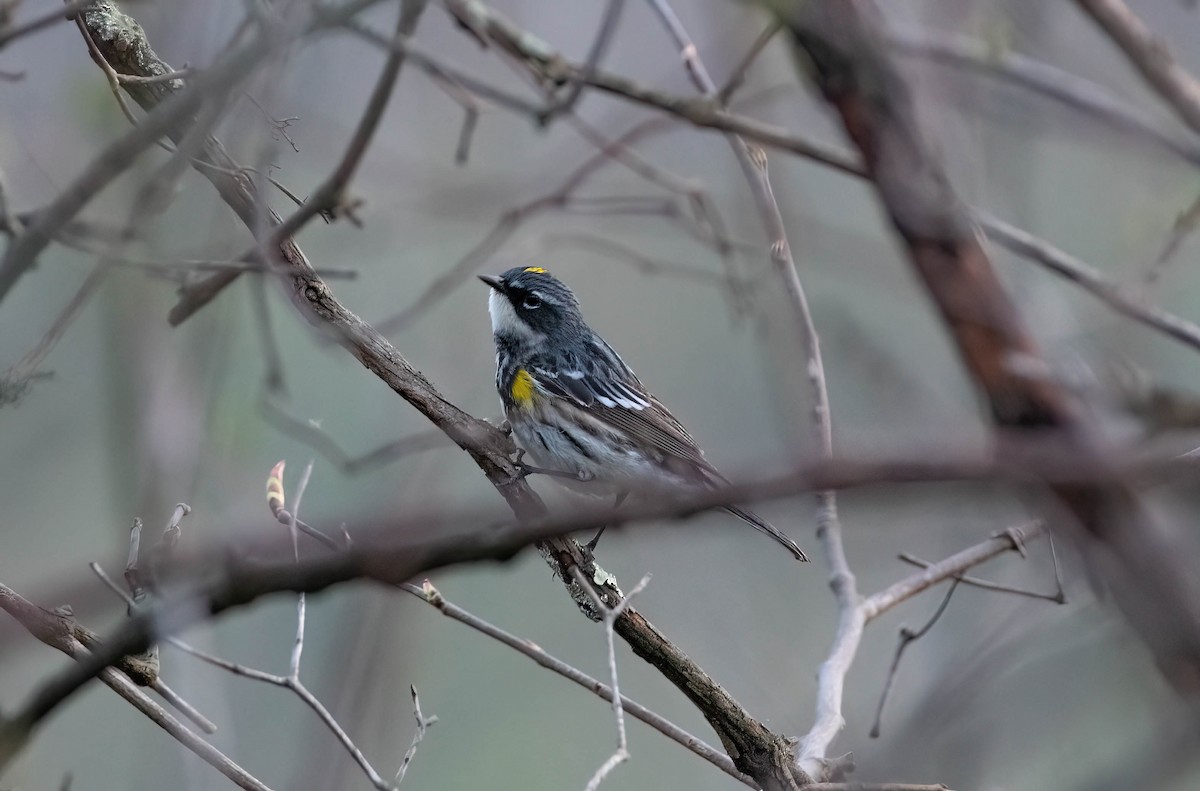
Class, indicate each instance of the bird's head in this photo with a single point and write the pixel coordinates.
(528, 303)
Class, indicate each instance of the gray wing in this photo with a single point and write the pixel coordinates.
(608, 389)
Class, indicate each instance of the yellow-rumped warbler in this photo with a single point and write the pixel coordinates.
(577, 409)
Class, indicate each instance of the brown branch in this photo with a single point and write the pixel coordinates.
(330, 195)
(756, 750)
(433, 596)
(544, 60)
(1150, 56)
(123, 45)
(172, 118)
(846, 59)
(753, 163)
(65, 634)
(228, 577)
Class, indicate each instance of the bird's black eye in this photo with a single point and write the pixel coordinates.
(532, 302)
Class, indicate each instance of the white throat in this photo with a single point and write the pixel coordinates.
(505, 320)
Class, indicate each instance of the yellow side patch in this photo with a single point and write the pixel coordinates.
(537, 270)
(523, 388)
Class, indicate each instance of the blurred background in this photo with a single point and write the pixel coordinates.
(134, 416)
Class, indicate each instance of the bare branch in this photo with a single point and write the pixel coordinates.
(170, 119)
(1091, 280)
(608, 26)
(1009, 541)
(15, 382)
(610, 616)
(850, 67)
(433, 596)
(1058, 597)
(539, 55)
(1044, 79)
(1149, 55)
(60, 632)
(908, 636)
(330, 196)
(275, 501)
(13, 32)
(423, 724)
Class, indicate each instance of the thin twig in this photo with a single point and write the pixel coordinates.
(1058, 597)
(877, 604)
(753, 162)
(608, 26)
(14, 382)
(423, 724)
(331, 194)
(433, 596)
(298, 648)
(1183, 226)
(610, 616)
(738, 76)
(1149, 54)
(1090, 280)
(1093, 99)
(43, 21)
(310, 433)
(182, 706)
(330, 722)
(56, 631)
(114, 81)
(908, 636)
(275, 501)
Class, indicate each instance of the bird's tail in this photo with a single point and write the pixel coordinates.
(752, 519)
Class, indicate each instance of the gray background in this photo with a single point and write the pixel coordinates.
(1004, 694)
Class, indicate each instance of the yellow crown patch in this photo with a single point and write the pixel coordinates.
(537, 270)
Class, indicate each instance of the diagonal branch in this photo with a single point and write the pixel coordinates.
(170, 118)
(1085, 96)
(756, 750)
(63, 633)
(846, 59)
(232, 576)
(330, 196)
(753, 163)
(1150, 56)
(540, 57)
(434, 597)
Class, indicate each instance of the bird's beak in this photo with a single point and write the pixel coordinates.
(494, 282)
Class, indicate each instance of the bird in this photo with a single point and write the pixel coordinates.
(579, 412)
